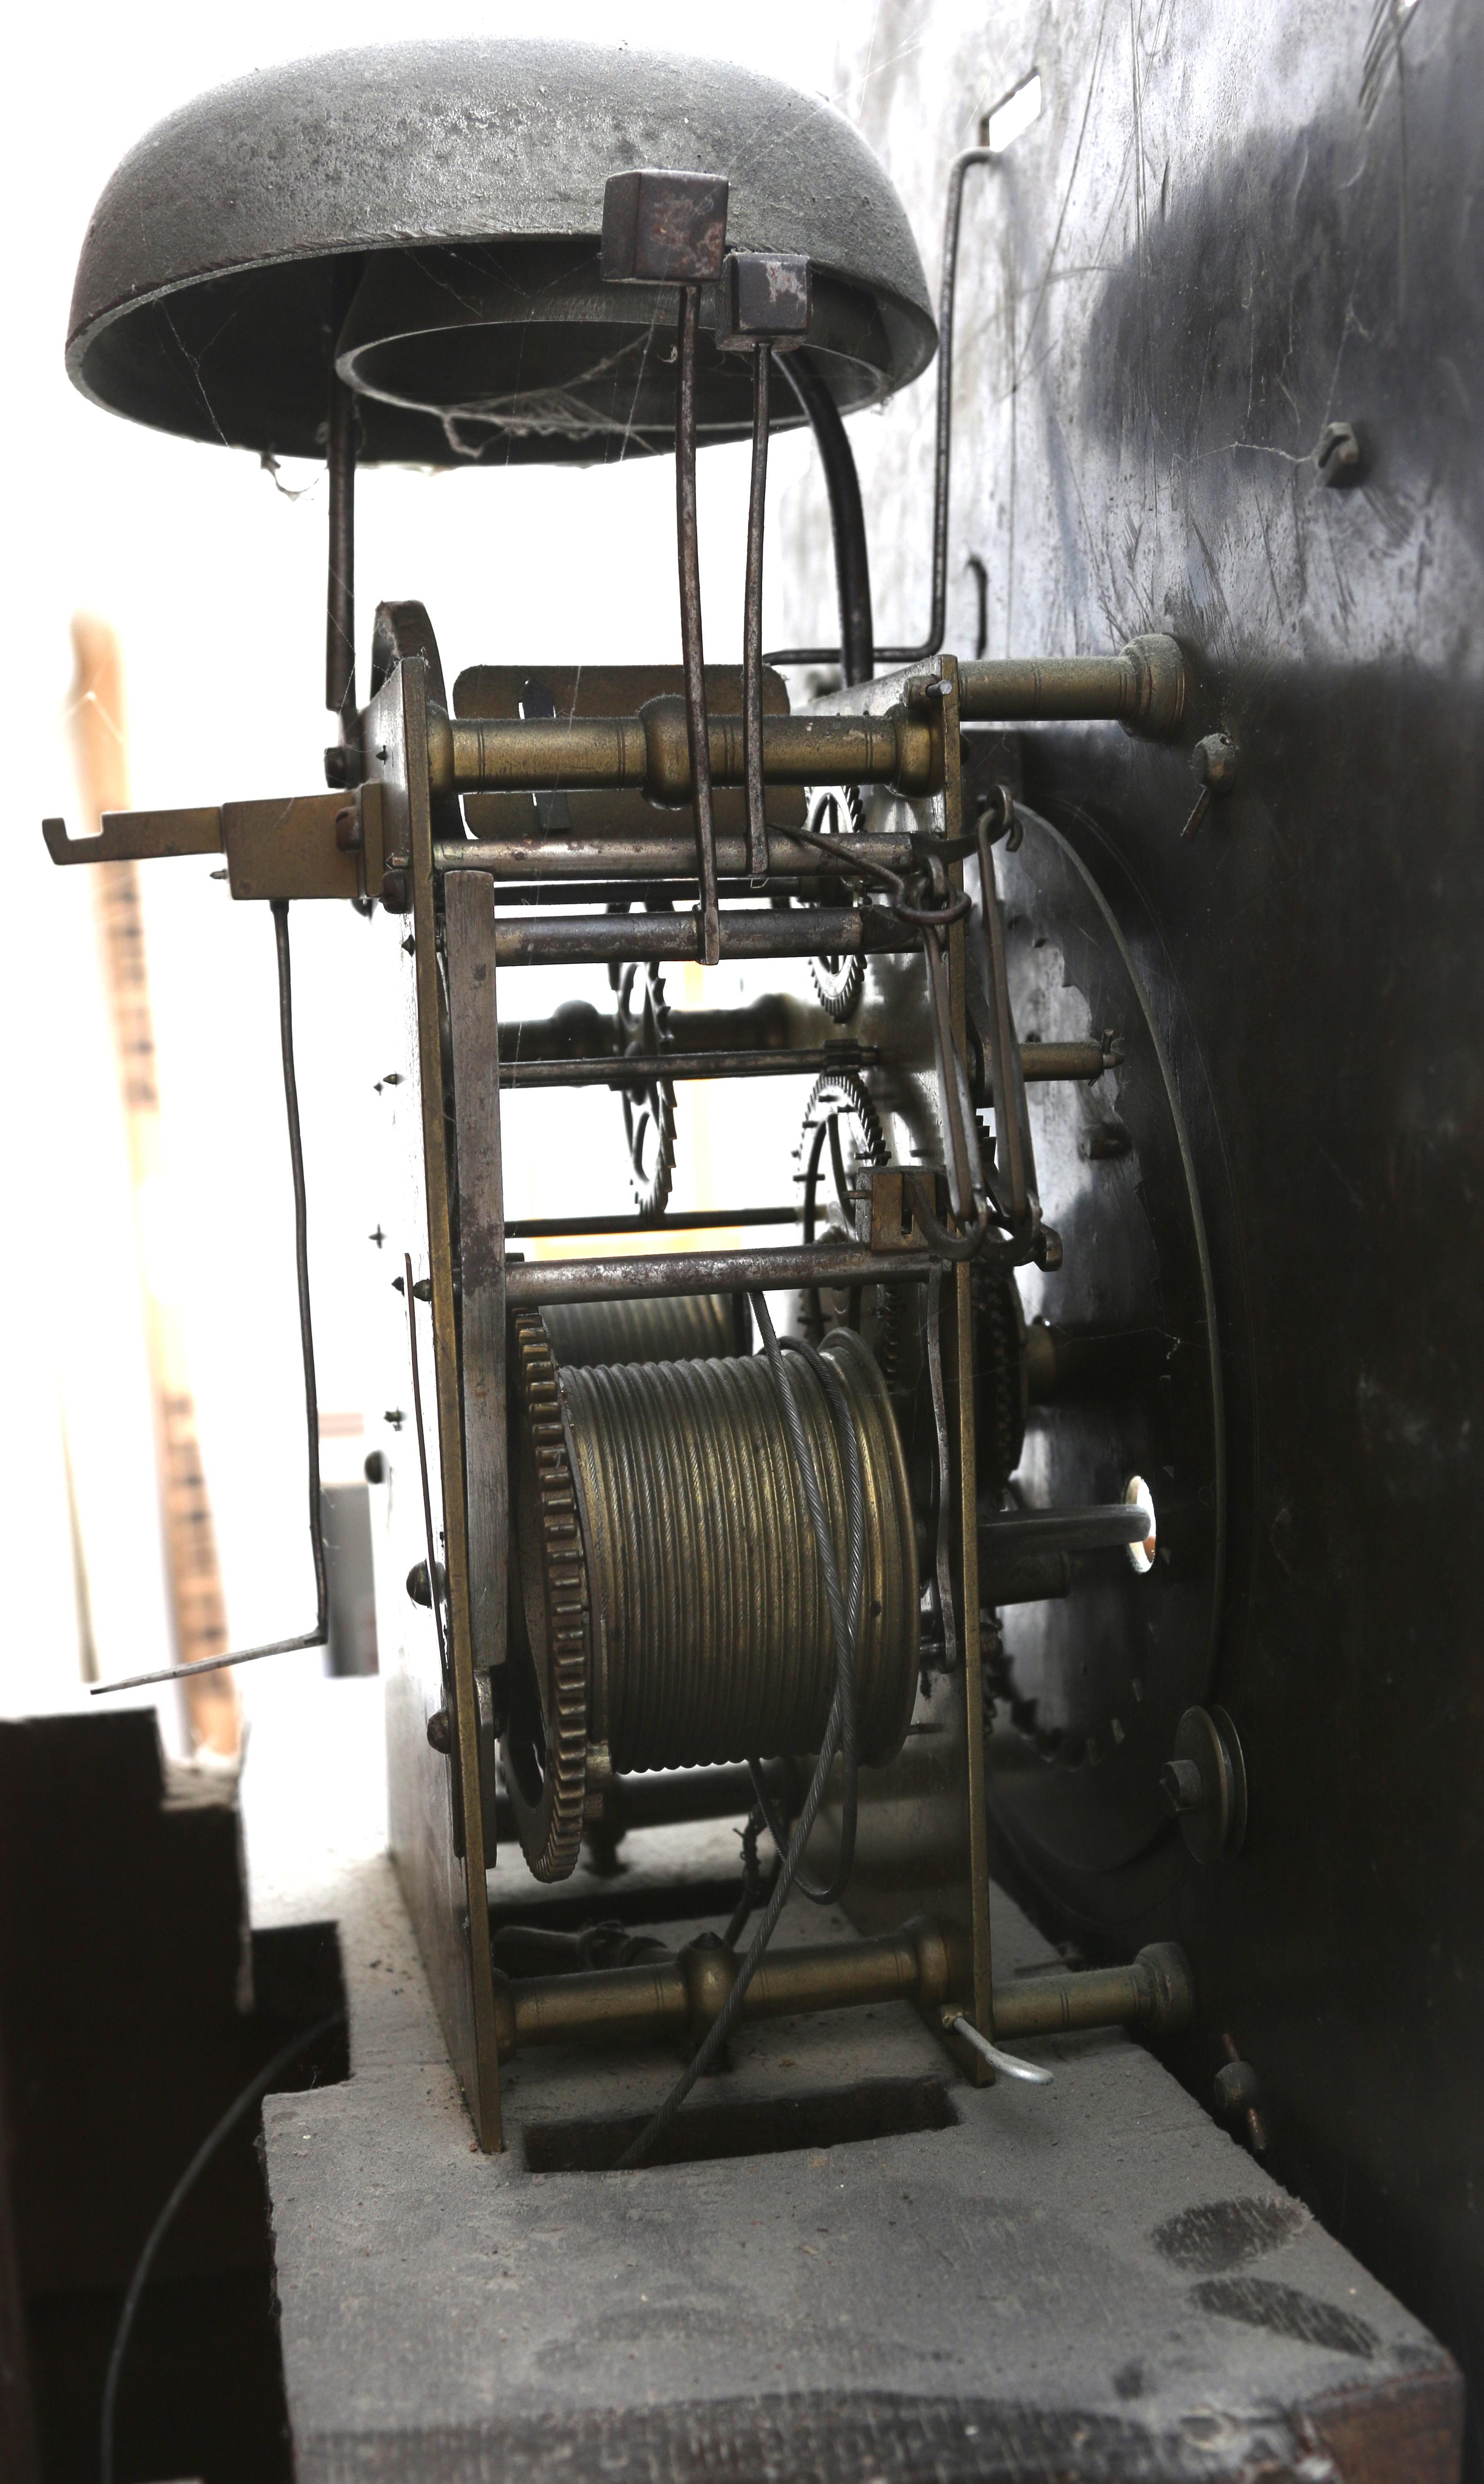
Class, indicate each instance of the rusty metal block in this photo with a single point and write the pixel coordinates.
(766, 300)
(664, 227)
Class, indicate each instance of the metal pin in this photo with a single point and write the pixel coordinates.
(752, 621)
(1213, 763)
(1203, 805)
(692, 649)
(1009, 2064)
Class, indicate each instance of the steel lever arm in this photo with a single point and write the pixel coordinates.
(137, 836)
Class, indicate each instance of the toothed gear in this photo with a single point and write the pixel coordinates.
(652, 1107)
(1001, 1398)
(836, 1094)
(842, 1091)
(545, 1749)
(838, 981)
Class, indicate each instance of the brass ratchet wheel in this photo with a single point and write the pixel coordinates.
(545, 1749)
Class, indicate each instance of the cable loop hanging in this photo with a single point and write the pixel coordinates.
(718, 2035)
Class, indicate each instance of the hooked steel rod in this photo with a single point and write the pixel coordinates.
(709, 1272)
(641, 1068)
(620, 894)
(538, 1052)
(697, 734)
(343, 767)
(754, 932)
(341, 587)
(1098, 1527)
(943, 447)
(752, 619)
(667, 857)
(695, 1220)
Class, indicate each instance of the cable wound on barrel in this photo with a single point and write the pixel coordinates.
(718, 1637)
(652, 1328)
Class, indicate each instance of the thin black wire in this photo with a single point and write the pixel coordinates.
(719, 2032)
(280, 911)
(319, 1634)
(856, 651)
(255, 2089)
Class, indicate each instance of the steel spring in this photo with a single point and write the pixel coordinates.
(712, 1638)
(656, 1328)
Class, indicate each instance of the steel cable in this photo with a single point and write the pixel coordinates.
(845, 1609)
(319, 1636)
(652, 1328)
(843, 1703)
(255, 2089)
(717, 1626)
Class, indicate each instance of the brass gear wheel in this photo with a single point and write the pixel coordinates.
(545, 1748)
